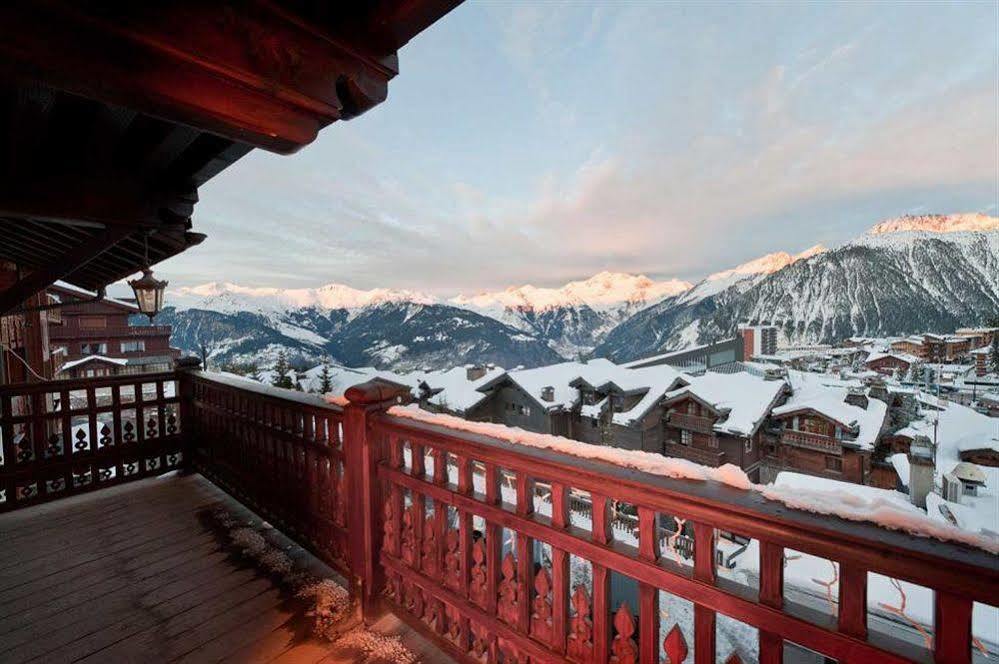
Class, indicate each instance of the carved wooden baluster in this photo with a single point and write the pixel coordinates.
(675, 646)
(452, 559)
(772, 595)
(408, 536)
(525, 552)
(440, 512)
(478, 589)
(416, 460)
(541, 606)
(648, 595)
(623, 648)
(91, 417)
(140, 427)
(579, 645)
(560, 570)
(161, 420)
(464, 468)
(430, 552)
(601, 534)
(67, 440)
(494, 540)
(704, 571)
(507, 606)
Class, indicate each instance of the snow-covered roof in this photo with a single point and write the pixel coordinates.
(957, 429)
(827, 397)
(904, 357)
(652, 382)
(453, 389)
(747, 398)
(120, 361)
(85, 294)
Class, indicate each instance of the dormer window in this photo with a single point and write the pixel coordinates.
(691, 408)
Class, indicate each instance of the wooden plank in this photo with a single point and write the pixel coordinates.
(147, 593)
(952, 629)
(95, 626)
(135, 646)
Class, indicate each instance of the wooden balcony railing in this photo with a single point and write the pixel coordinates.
(115, 332)
(280, 452)
(70, 436)
(481, 543)
(712, 458)
(697, 423)
(812, 441)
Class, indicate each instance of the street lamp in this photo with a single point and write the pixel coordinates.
(148, 289)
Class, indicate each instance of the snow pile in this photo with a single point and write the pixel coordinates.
(330, 606)
(844, 504)
(376, 647)
(648, 462)
(937, 223)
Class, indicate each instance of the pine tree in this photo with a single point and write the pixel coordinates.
(995, 353)
(326, 381)
(281, 377)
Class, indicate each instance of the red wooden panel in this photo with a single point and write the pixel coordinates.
(601, 613)
(853, 601)
(771, 594)
(560, 598)
(952, 629)
(648, 622)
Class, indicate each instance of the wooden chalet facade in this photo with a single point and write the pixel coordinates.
(99, 329)
(891, 363)
(811, 442)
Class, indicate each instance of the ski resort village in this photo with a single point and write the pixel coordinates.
(786, 457)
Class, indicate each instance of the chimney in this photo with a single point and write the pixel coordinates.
(921, 470)
(548, 393)
(474, 371)
(856, 396)
(774, 373)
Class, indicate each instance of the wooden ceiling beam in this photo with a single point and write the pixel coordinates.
(243, 71)
(39, 279)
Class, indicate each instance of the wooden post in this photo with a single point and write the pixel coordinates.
(184, 370)
(364, 499)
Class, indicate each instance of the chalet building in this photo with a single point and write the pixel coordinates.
(945, 347)
(758, 340)
(891, 364)
(719, 418)
(95, 337)
(982, 357)
(827, 430)
(697, 359)
(596, 402)
(978, 337)
(911, 345)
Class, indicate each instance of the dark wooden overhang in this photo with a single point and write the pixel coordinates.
(113, 114)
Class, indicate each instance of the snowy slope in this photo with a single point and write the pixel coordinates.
(906, 275)
(575, 317)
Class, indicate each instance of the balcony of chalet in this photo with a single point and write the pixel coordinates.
(466, 545)
(183, 516)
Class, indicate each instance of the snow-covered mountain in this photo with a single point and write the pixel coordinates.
(574, 318)
(905, 275)
(523, 325)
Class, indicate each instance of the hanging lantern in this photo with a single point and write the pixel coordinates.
(148, 293)
(148, 289)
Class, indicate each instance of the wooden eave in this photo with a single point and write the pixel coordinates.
(113, 114)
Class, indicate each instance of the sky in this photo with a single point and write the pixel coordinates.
(543, 142)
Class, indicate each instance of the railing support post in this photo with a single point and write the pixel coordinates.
(183, 369)
(364, 496)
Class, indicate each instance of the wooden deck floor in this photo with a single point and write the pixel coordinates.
(133, 574)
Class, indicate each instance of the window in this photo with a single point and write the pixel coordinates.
(713, 442)
(834, 463)
(133, 346)
(93, 322)
(94, 349)
(691, 408)
(686, 438)
(749, 445)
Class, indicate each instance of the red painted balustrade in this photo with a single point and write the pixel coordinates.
(281, 452)
(66, 437)
(503, 552)
(489, 570)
